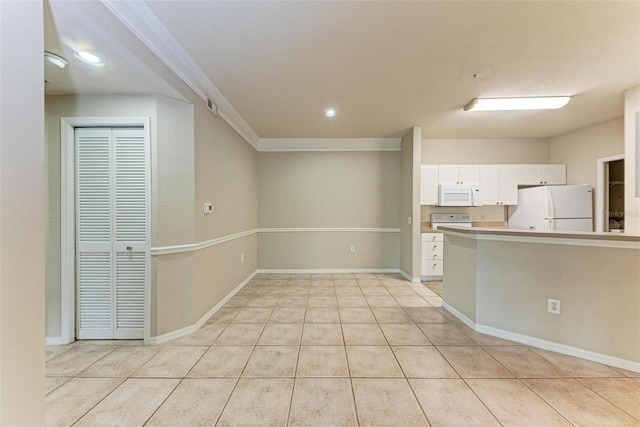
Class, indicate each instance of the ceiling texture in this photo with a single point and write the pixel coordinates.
(383, 65)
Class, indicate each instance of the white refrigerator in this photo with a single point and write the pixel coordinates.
(553, 208)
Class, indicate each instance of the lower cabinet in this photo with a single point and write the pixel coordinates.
(432, 254)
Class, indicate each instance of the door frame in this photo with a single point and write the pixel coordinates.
(67, 218)
(602, 190)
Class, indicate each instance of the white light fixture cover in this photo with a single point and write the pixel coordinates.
(513, 104)
(330, 112)
(90, 58)
(55, 60)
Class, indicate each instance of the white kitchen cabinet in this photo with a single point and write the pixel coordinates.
(432, 254)
(428, 184)
(499, 184)
(542, 174)
(458, 174)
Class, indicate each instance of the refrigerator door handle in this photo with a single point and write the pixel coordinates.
(550, 209)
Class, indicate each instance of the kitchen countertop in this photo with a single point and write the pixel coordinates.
(578, 235)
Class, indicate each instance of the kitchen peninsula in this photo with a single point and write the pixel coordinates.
(499, 282)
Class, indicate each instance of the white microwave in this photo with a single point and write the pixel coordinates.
(459, 195)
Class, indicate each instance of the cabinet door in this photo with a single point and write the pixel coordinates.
(508, 185)
(556, 174)
(428, 184)
(469, 174)
(530, 175)
(490, 184)
(448, 174)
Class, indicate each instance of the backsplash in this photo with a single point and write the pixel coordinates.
(489, 213)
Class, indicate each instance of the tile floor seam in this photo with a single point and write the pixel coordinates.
(606, 399)
(98, 402)
(162, 403)
(224, 407)
(482, 401)
(547, 402)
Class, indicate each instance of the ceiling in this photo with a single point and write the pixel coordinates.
(384, 66)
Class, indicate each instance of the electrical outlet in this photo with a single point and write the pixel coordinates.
(553, 306)
(352, 248)
(207, 208)
(241, 257)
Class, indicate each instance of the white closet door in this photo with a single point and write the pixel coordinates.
(131, 231)
(111, 208)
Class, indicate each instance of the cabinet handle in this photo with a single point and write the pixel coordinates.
(435, 246)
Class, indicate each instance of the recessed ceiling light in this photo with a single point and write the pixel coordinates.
(511, 104)
(55, 60)
(330, 112)
(90, 58)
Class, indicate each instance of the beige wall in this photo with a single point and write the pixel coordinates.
(632, 160)
(328, 190)
(485, 151)
(580, 149)
(500, 284)
(22, 215)
(410, 240)
(74, 106)
(190, 149)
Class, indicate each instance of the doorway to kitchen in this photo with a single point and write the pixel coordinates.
(105, 172)
(610, 194)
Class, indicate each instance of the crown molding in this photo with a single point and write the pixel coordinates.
(328, 144)
(146, 26)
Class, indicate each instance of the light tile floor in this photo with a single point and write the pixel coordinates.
(333, 350)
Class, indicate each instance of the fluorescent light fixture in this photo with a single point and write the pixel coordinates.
(55, 60)
(330, 112)
(511, 104)
(90, 58)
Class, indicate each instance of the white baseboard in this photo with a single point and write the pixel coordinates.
(461, 316)
(544, 344)
(326, 270)
(169, 336)
(560, 348)
(54, 341)
(408, 277)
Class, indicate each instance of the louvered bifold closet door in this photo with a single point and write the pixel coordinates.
(94, 232)
(112, 224)
(131, 186)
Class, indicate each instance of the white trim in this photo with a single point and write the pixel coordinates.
(327, 270)
(328, 144)
(600, 189)
(169, 336)
(193, 247)
(550, 240)
(408, 277)
(67, 218)
(146, 26)
(329, 230)
(544, 344)
(54, 341)
(560, 348)
(461, 316)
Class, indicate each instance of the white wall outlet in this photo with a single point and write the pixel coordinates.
(352, 249)
(241, 257)
(207, 208)
(553, 306)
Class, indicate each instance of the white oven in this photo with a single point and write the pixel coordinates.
(459, 195)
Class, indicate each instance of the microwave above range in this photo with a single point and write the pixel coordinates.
(459, 195)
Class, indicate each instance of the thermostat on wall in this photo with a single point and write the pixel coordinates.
(208, 208)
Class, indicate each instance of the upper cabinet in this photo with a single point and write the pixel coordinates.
(498, 183)
(458, 174)
(428, 184)
(542, 174)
